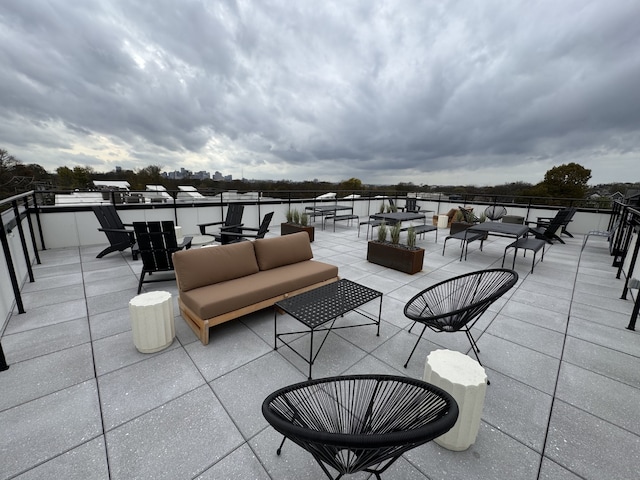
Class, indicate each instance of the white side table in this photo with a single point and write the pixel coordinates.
(443, 221)
(152, 321)
(465, 379)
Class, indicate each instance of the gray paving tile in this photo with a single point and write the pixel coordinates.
(550, 470)
(118, 351)
(180, 439)
(109, 301)
(37, 431)
(605, 361)
(591, 447)
(605, 398)
(241, 463)
(45, 315)
(544, 318)
(85, 462)
(109, 323)
(231, 345)
(517, 409)
(293, 462)
(607, 335)
(46, 374)
(528, 366)
(52, 282)
(493, 456)
(41, 341)
(143, 386)
(528, 335)
(243, 390)
(111, 285)
(52, 296)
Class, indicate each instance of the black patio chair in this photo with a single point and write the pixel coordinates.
(456, 304)
(232, 220)
(360, 422)
(236, 234)
(411, 206)
(546, 230)
(495, 212)
(544, 221)
(156, 243)
(120, 238)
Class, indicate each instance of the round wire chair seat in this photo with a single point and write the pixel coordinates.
(495, 212)
(360, 422)
(456, 304)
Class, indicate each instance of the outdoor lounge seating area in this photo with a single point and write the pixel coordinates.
(79, 401)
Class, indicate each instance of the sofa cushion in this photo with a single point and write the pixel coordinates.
(213, 300)
(198, 267)
(278, 251)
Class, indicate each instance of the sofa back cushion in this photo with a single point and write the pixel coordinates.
(278, 251)
(198, 267)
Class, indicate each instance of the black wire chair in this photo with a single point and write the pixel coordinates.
(456, 304)
(495, 212)
(360, 422)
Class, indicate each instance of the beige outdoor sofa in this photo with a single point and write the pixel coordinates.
(218, 284)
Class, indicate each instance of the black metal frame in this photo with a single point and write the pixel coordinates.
(456, 304)
(360, 422)
(322, 305)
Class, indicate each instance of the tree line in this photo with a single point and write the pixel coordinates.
(565, 181)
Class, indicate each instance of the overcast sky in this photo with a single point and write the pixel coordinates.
(430, 92)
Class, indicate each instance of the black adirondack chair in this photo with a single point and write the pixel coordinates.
(120, 238)
(232, 221)
(547, 231)
(233, 236)
(543, 221)
(156, 243)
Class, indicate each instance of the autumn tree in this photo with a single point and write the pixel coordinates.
(567, 181)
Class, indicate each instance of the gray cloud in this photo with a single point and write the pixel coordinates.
(427, 92)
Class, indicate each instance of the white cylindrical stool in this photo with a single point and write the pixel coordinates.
(465, 379)
(152, 321)
(443, 221)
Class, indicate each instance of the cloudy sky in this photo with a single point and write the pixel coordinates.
(430, 92)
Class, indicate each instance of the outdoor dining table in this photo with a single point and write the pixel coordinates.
(395, 217)
(325, 210)
(500, 229)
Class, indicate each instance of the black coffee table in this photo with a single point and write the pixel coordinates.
(321, 306)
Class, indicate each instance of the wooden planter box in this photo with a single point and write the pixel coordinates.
(398, 258)
(288, 228)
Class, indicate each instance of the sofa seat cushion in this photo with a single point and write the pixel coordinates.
(213, 300)
(198, 267)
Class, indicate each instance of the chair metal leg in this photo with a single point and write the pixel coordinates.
(424, 327)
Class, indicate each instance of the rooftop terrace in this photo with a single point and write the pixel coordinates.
(80, 402)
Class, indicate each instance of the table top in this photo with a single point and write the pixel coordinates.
(318, 306)
(398, 216)
(198, 240)
(501, 228)
(329, 208)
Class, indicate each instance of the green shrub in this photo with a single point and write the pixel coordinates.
(411, 237)
(296, 217)
(382, 232)
(289, 216)
(395, 233)
(304, 219)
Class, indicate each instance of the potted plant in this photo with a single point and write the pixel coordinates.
(297, 222)
(459, 222)
(405, 258)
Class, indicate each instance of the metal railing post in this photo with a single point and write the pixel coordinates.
(3, 361)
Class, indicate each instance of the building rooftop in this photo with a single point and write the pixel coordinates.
(79, 401)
